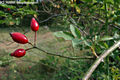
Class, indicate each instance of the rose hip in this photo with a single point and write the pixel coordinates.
(18, 53)
(19, 37)
(8, 9)
(34, 25)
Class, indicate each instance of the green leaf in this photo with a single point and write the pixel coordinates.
(86, 42)
(106, 38)
(17, 21)
(1, 13)
(1, 62)
(77, 9)
(110, 1)
(73, 21)
(7, 6)
(103, 45)
(65, 35)
(2, 21)
(76, 42)
(88, 0)
(116, 35)
(29, 11)
(75, 31)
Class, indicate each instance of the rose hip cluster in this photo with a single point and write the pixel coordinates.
(22, 39)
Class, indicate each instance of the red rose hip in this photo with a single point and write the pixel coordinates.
(8, 9)
(34, 25)
(19, 37)
(18, 53)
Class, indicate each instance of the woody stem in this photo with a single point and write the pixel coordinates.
(35, 38)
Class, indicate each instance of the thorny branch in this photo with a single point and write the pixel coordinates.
(99, 60)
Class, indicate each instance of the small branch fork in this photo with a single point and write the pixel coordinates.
(99, 60)
(56, 54)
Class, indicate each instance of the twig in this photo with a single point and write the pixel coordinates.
(47, 19)
(29, 48)
(102, 21)
(45, 8)
(94, 53)
(35, 38)
(40, 11)
(30, 43)
(49, 53)
(74, 22)
(99, 60)
(72, 58)
(55, 15)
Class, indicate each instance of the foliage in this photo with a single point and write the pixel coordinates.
(12, 15)
(98, 26)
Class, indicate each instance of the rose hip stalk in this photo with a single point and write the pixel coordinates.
(19, 37)
(18, 53)
(35, 27)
